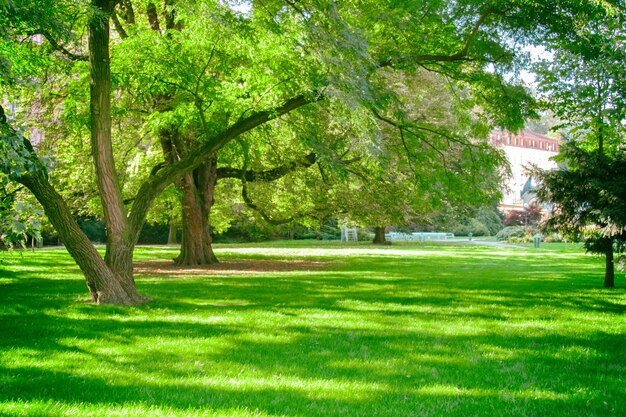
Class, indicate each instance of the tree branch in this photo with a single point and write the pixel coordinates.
(402, 128)
(58, 47)
(458, 56)
(157, 183)
(170, 15)
(294, 6)
(268, 175)
(128, 12)
(406, 149)
(251, 205)
(118, 26)
(153, 17)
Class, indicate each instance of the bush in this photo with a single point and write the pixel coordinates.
(491, 218)
(555, 238)
(363, 235)
(93, 228)
(156, 233)
(49, 235)
(531, 215)
(510, 232)
(243, 229)
(473, 226)
(524, 239)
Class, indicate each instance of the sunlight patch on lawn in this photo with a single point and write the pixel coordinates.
(449, 331)
(63, 409)
(508, 395)
(408, 252)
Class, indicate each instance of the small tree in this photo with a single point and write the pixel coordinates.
(530, 216)
(587, 91)
(590, 198)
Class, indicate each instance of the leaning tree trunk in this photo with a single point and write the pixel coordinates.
(104, 284)
(197, 200)
(609, 271)
(379, 236)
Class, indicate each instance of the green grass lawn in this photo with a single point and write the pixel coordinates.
(410, 330)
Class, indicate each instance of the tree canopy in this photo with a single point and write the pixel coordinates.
(214, 73)
(585, 87)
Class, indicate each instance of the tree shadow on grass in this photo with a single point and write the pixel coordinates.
(356, 342)
(306, 376)
(331, 290)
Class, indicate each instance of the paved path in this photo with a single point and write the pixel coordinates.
(497, 244)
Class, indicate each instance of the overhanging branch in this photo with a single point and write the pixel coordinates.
(58, 47)
(461, 55)
(267, 175)
(157, 183)
(265, 216)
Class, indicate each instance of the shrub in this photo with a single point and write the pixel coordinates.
(473, 226)
(531, 215)
(511, 232)
(93, 228)
(491, 218)
(555, 237)
(154, 233)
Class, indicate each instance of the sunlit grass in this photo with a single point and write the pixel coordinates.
(411, 330)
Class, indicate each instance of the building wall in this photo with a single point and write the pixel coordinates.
(523, 150)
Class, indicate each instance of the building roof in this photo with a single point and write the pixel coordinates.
(524, 139)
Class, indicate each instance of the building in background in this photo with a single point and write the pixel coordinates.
(522, 150)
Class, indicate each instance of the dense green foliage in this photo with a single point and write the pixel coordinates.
(586, 89)
(417, 330)
(19, 219)
(407, 90)
(590, 198)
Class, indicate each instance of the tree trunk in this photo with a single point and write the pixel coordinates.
(198, 188)
(171, 236)
(379, 236)
(121, 238)
(609, 271)
(197, 200)
(104, 284)
(100, 110)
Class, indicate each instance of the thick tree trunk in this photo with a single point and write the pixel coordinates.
(100, 109)
(198, 196)
(198, 188)
(379, 236)
(121, 238)
(119, 257)
(609, 271)
(104, 284)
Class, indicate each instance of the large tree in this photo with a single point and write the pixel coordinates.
(110, 280)
(431, 153)
(280, 58)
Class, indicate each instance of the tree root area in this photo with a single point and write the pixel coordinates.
(230, 267)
